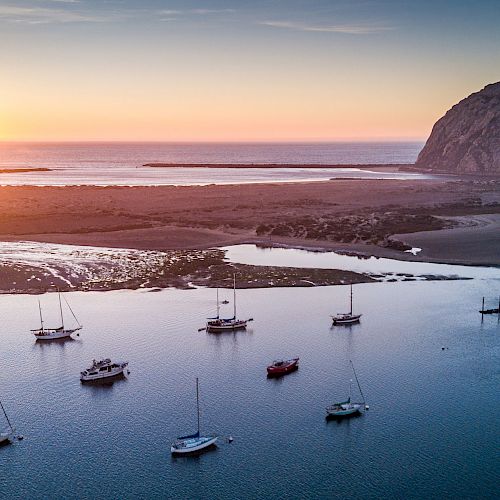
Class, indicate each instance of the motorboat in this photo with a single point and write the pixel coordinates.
(61, 332)
(102, 370)
(346, 318)
(282, 367)
(195, 442)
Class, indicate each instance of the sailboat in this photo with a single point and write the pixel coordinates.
(346, 318)
(61, 332)
(195, 442)
(9, 433)
(219, 324)
(347, 408)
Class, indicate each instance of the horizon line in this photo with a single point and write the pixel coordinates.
(217, 141)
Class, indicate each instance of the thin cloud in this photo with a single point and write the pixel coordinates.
(197, 12)
(41, 15)
(349, 29)
(203, 12)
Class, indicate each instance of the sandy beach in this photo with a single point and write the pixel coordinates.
(365, 216)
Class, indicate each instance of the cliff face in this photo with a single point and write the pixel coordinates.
(466, 140)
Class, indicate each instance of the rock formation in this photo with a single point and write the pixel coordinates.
(466, 140)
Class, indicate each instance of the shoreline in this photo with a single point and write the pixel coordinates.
(454, 222)
(362, 166)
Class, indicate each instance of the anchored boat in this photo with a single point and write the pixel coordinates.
(219, 324)
(483, 310)
(103, 369)
(9, 433)
(347, 408)
(346, 318)
(282, 367)
(44, 333)
(195, 442)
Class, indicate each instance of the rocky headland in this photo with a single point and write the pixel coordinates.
(466, 140)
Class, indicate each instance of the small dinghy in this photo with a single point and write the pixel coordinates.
(103, 369)
(9, 434)
(346, 318)
(61, 332)
(282, 367)
(195, 442)
(347, 408)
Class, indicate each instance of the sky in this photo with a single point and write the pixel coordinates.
(234, 70)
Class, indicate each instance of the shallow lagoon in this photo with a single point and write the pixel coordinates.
(432, 428)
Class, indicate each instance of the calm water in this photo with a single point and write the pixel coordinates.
(121, 163)
(432, 429)
(292, 257)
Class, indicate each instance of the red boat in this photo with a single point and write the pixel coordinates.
(282, 367)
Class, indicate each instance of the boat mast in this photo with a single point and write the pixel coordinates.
(234, 295)
(198, 403)
(6, 417)
(41, 317)
(218, 306)
(351, 299)
(60, 309)
(359, 387)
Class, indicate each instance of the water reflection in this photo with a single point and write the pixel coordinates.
(291, 257)
(194, 457)
(42, 344)
(104, 384)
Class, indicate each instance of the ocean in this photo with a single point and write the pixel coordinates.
(105, 164)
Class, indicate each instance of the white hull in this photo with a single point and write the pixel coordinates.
(101, 375)
(193, 447)
(5, 437)
(344, 412)
(54, 334)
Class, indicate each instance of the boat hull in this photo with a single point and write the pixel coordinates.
(346, 321)
(240, 325)
(193, 447)
(118, 373)
(55, 334)
(5, 438)
(344, 412)
(277, 371)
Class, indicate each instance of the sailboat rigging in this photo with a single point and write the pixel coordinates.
(44, 333)
(194, 442)
(346, 318)
(347, 408)
(9, 433)
(219, 324)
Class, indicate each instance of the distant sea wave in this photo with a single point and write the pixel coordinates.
(122, 163)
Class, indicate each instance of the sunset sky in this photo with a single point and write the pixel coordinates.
(230, 70)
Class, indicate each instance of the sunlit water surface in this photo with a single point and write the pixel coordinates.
(104, 164)
(432, 429)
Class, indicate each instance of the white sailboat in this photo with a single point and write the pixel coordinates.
(44, 333)
(9, 433)
(219, 324)
(194, 442)
(346, 318)
(347, 408)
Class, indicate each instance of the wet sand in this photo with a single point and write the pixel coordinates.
(370, 217)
